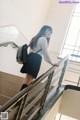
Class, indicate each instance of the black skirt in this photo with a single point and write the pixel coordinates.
(33, 64)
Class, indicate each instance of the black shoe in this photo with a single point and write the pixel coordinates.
(23, 86)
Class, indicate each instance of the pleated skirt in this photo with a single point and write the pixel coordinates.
(33, 64)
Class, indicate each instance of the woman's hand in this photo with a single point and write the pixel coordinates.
(56, 64)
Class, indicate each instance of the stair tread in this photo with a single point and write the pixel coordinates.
(3, 99)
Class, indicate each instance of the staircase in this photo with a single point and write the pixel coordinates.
(9, 86)
(27, 104)
(43, 98)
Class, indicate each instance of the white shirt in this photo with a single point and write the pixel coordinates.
(42, 44)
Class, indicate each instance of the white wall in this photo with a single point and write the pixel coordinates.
(70, 105)
(28, 16)
(8, 54)
(59, 18)
(51, 113)
(72, 73)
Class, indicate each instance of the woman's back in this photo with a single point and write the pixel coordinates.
(42, 46)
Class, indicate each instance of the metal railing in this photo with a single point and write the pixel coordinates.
(5, 44)
(75, 55)
(31, 100)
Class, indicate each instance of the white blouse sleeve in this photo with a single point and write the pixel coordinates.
(43, 45)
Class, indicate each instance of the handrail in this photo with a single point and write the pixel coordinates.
(62, 60)
(5, 44)
(16, 97)
(38, 80)
(75, 55)
(55, 97)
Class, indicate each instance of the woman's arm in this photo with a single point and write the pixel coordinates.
(43, 44)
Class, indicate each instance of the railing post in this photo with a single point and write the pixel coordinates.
(44, 97)
(20, 110)
(63, 72)
(47, 89)
(78, 81)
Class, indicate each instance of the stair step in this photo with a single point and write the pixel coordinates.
(11, 77)
(11, 80)
(8, 91)
(9, 84)
(3, 99)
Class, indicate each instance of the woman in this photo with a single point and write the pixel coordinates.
(38, 45)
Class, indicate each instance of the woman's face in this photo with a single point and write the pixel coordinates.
(47, 33)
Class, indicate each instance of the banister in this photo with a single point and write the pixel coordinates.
(38, 80)
(5, 44)
(75, 55)
(18, 96)
(62, 60)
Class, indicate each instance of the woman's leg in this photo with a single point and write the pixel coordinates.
(28, 79)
